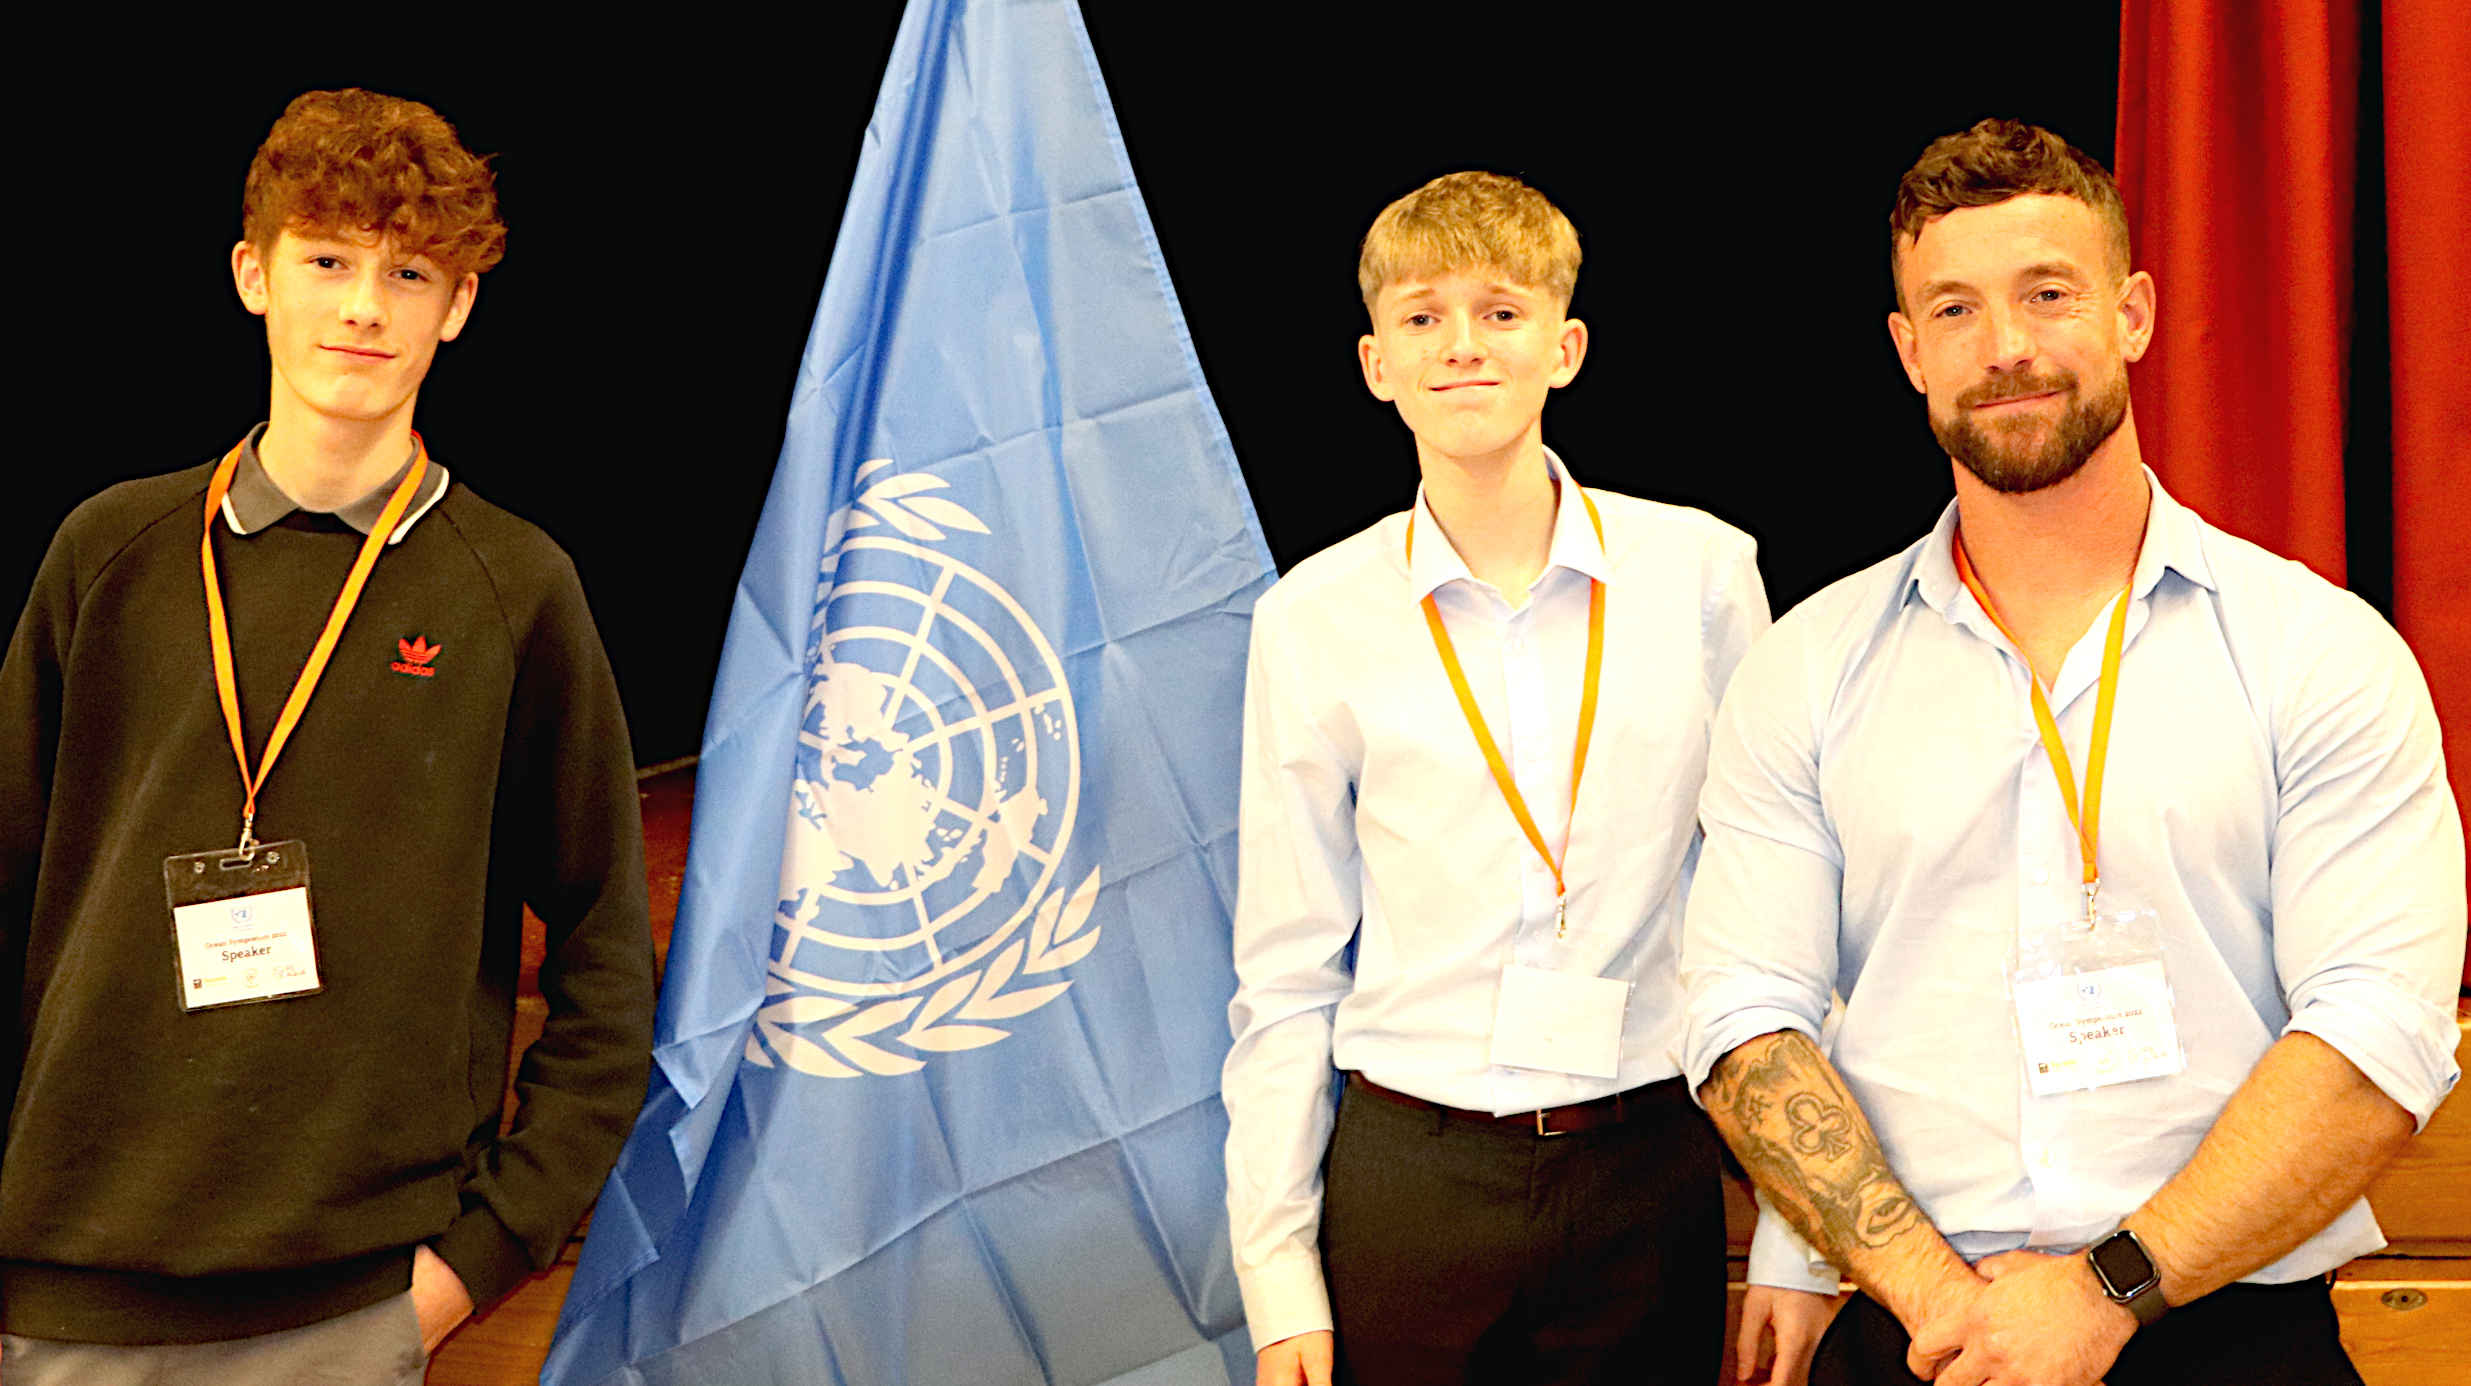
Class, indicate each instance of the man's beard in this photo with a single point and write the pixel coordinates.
(2003, 456)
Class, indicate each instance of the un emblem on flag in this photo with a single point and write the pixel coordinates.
(935, 784)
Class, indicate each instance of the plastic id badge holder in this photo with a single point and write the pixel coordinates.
(2093, 1003)
(240, 925)
(1559, 1022)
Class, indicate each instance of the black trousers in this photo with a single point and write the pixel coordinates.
(2240, 1335)
(1458, 1251)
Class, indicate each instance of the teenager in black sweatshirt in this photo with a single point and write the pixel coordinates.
(176, 1173)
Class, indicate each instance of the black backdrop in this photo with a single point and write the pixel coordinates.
(673, 196)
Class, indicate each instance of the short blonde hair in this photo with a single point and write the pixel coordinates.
(1472, 220)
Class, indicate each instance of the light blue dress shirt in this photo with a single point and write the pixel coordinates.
(1370, 816)
(1883, 825)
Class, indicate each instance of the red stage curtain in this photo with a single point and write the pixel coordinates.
(2237, 155)
(2427, 74)
(2239, 132)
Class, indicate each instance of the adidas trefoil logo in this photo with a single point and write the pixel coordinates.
(417, 652)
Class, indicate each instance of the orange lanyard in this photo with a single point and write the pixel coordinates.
(2089, 821)
(1484, 737)
(219, 634)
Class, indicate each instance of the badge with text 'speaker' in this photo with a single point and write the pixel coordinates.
(240, 924)
(241, 930)
(2093, 1003)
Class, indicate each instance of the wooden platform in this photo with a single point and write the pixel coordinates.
(2406, 1313)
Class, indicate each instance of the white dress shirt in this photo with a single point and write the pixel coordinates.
(1369, 818)
(1883, 824)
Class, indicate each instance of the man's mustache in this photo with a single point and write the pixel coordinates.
(2016, 387)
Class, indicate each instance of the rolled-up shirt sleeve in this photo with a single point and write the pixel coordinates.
(2368, 904)
(1298, 899)
(1758, 948)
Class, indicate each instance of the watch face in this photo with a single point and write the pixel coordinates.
(2122, 1263)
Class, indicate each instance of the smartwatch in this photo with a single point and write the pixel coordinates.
(2129, 1276)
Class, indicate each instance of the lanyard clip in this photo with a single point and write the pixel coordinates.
(248, 837)
(2093, 893)
(1561, 917)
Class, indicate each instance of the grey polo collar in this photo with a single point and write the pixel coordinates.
(255, 502)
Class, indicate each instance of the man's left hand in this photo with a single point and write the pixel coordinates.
(438, 1296)
(2042, 1321)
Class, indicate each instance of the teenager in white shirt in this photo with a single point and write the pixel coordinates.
(1518, 1188)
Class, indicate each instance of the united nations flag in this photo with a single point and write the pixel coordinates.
(936, 1099)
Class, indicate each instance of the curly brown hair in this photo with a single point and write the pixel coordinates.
(355, 161)
(1992, 162)
(1471, 220)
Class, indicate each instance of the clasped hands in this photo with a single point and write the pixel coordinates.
(2022, 1318)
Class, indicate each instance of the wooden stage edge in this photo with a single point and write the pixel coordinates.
(2406, 1312)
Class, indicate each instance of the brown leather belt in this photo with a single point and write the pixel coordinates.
(1547, 1121)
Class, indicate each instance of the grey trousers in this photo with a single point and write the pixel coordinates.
(376, 1346)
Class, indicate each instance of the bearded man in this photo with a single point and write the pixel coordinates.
(2126, 845)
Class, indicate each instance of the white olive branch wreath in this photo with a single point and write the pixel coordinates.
(901, 502)
(948, 1019)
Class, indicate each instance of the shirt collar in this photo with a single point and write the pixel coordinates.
(2171, 541)
(254, 501)
(1574, 544)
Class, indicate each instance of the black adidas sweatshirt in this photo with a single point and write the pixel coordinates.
(174, 1177)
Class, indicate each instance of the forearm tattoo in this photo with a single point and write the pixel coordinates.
(1807, 1146)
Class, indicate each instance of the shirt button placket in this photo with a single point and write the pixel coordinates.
(2040, 1120)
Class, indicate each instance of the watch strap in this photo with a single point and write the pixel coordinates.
(2146, 1304)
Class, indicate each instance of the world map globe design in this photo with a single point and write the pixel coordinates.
(936, 778)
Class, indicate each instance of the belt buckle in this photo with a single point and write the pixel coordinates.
(1544, 1132)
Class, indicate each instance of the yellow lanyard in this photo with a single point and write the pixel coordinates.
(219, 635)
(1484, 737)
(2089, 821)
